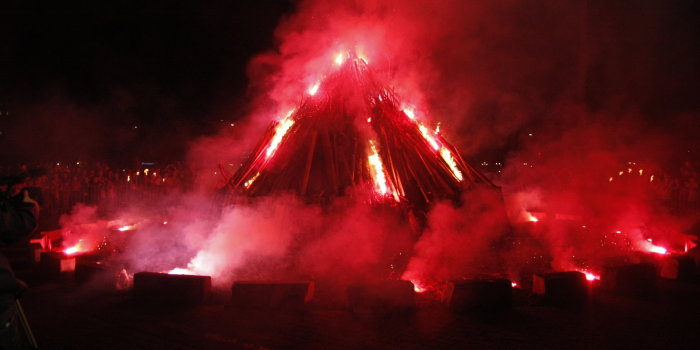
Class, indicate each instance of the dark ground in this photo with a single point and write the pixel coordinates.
(68, 315)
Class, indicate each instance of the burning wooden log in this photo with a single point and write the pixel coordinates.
(255, 295)
(172, 289)
(561, 288)
(479, 294)
(382, 297)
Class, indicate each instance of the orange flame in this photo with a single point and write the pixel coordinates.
(314, 88)
(280, 130)
(377, 169)
(127, 228)
(530, 217)
(77, 248)
(447, 156)
(181, 271)
(590, 277)
(426, 135)
(418, 288)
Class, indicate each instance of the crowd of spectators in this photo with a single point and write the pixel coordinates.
(64, 185)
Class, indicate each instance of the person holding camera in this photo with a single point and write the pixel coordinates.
(18, 219)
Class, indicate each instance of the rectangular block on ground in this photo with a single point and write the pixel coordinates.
(630, 279)
(56, 264)
(383, 296)
(561, 288)
(679, 267)
(271, 295)
(172, 289)
(479, 294)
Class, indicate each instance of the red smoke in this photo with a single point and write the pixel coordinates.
(492, 73)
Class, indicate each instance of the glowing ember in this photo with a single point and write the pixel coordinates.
(513, 284)
(447, 156)
(126, 228)
(314, 88)
(280, 130)
(377, 169)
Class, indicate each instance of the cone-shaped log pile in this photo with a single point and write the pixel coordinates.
(351, 131)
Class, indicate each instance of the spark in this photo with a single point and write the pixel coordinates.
(513, 284)
(447, 156)
(409, 113)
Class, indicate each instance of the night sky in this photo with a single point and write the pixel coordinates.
(116, 81)
(73, 75)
